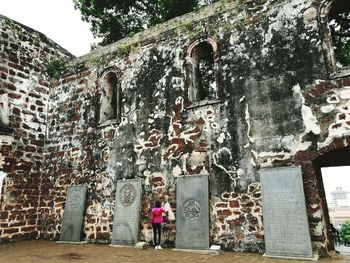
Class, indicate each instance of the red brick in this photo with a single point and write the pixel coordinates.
(16, 111)
(28, 228)
(225, 212)
(3, 69)
(29, 148)
(14, 96)
(37, 142)
(9, 86)
(4, 215)
(16, 224)
(15, 66)
(234, 204)
(11, 230)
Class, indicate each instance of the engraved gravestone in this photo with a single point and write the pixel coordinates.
(73, 214)
(286, 227)
(126, 212)
(192, 213)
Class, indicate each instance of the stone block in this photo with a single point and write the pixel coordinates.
(73, 214)
(192, 213)
(286, 225)
(127, 212)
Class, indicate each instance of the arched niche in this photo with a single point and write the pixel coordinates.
(111, 97)
(202, 69)
(334, 18)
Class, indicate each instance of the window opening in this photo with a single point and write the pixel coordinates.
(110, 98)
(339, 25)
(203, 84)
(4, 115)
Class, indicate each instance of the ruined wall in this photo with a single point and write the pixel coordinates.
(278, 103)
(24, 86)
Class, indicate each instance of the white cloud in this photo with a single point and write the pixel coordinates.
(57, 19)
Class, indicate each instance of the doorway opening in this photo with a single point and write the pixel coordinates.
(333, 176)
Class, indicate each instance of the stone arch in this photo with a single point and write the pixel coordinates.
(110, 108)
(324, 13)
(336, 153)
(202, 68)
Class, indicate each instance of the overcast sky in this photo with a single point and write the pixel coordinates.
(335, 177)
(57, 19)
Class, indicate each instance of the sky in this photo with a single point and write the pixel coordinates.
(57, 19)
(335, 177)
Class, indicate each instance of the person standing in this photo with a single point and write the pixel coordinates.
(156, 219)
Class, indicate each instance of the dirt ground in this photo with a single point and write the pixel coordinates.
(46, 251)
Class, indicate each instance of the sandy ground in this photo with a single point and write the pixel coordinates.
(46, 251)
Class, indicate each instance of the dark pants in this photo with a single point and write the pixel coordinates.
(156, 231)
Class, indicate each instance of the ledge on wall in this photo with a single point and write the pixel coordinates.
(108, 123)
(342, 72)
(203, 103)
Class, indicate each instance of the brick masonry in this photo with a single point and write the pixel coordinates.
(24, 87)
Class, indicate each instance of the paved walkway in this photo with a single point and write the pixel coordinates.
(50, 252)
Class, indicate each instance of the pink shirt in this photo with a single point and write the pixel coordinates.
(157, 215)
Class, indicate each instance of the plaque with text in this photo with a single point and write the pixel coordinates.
(286, 225)
(73, 215)
(192, 213)
(127, 212)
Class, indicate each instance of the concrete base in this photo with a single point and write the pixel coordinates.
(141, 245)
(199, 251)
(71, 242)
(138, 245)
(128, 246)
(315, 258)
(214, 250)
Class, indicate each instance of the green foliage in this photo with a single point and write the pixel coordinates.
(55, 68)
(340, 30)
(131, 34)
(345, 232)
(112, 20)
(206, 80)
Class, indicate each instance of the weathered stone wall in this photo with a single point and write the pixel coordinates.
(270, 56)
(24, 86)
(279, 103)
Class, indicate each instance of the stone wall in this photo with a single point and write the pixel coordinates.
(24, 88)
(279, 101)
(269, 59)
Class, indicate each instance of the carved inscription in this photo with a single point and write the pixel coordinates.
(126, 212)
(74, 199)
(287, 221)
(73, 215)
(284, 213)
(192, 213)
(127, 194)
(191, 210)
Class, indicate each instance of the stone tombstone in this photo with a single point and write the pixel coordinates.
(286, 227)
(73, 215)
(127, 212)
(192, 213)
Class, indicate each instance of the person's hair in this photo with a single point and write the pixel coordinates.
(158, 204)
